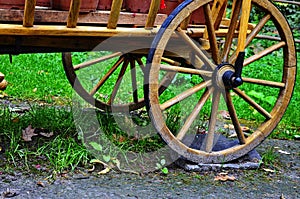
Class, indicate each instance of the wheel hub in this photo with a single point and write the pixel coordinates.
(229, 76)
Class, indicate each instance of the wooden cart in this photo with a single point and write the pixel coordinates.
(202, 59)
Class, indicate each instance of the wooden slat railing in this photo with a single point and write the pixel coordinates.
(29, 13)
(116, 7)
(153, 10)
(73, 13)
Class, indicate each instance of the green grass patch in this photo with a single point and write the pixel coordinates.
(55, 141)
(36, 77)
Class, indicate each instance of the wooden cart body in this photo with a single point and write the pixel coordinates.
(34, 30)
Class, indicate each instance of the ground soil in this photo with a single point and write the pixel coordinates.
(281, 180)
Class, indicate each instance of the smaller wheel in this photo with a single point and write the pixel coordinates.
(110, 80)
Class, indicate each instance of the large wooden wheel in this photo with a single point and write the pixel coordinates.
(110, 81)
(252, 84)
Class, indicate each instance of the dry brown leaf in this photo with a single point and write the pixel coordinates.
(3, 84)
(40, 183)
(104, 171)
(10, 193)
(1, 76)
(245, 128)
(16, 120)
(225, 114)
(28, 133)
(224, 177)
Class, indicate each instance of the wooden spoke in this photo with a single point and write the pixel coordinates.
(196, 48)
(186, 70)
(209, 139)
(234, 118)
(106, 76)
(95, 61)
(118, 82)
(264, 82)
(141, 64)
(211, 33)
(252, 35)
(231, 30)
(170, 61)
(264, 53)
(272, 38)
(133, 80)
(185, 94)
(193, 115)
(166, 80)
(251, 102)
(257, 29)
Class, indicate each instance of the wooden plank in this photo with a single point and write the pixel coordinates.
(60, 17)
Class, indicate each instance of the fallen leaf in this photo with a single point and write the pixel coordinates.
(104, 171)
(269, 170)
(28, 133)
(297, 136)
(118, 164)
(229, 126)
(40, 183)
(3, 84)
(284, 152)
(9, 193)
(245, 128)
(224, 177)
(1, 76)
(121, 139)
(233, 135)
(2, 94)
(225, 114)
(47, 134)
(91, 169)
(16, 120)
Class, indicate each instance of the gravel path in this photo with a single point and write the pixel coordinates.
(261, 183)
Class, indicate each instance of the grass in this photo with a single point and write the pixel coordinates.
(62, 149)
(42, 77)
(270, 157)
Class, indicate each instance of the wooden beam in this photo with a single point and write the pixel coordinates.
(79, 31)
